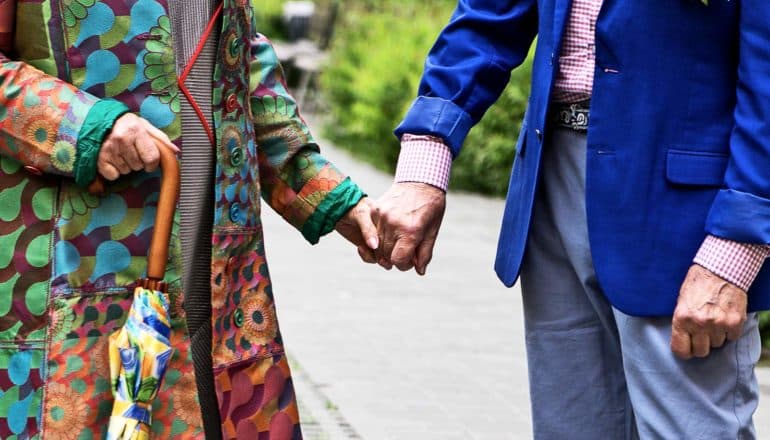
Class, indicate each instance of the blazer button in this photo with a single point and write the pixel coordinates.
(236, 157)
(33, 170)
(232, 103)
(236, 216)
(539, 134)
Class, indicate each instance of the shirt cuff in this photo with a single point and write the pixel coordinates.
(424, 159)
(736, 262)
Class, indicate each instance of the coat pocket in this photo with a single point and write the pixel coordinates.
(700, 168)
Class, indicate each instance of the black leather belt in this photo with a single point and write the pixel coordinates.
(573, 116)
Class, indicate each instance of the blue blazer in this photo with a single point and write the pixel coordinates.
(679, 136)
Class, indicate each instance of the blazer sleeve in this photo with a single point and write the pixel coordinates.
(741, 211)
(469, 66)
(300, 184)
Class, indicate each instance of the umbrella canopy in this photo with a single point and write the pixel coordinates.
(140, 351)
(139, 354)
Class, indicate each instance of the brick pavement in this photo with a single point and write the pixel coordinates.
(385, 356)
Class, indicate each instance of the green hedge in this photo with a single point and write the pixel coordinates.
(269, 21)
(376, 63)
(372, 75)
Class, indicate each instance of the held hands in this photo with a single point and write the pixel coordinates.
(407, 217)
(131, 146)
(709, 312)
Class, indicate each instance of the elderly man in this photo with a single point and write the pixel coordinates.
(638, 211)
(87, 87)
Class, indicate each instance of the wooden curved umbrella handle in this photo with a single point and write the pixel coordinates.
(164, 217)
(97, 187)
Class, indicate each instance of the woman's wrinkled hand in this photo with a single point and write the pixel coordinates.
(358, 228)
(132, 145)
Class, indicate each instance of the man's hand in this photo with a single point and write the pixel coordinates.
(357, 227)
(131, 146)
(709, 311)
(408, 219)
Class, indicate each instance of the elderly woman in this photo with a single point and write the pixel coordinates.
(87, 87)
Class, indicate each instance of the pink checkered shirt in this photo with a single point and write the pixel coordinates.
(428, 160)
(577, 59)
(424, 159)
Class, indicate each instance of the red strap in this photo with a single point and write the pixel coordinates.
(183, 77)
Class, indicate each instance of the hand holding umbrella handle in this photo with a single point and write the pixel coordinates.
(164, 217)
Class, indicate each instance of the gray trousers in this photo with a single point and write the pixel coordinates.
(596, 373)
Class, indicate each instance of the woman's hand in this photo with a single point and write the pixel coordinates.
(358, 228)
(132, 145)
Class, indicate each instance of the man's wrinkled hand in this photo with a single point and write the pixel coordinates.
(408, 219)
(357, 227)
(132, 145)
(709, 312)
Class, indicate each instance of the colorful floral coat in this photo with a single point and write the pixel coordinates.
(69, 260)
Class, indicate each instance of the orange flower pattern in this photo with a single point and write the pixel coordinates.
(38, 113)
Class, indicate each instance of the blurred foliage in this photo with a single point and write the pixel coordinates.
(269, 14)
(375, 67)
(372, 77)
(269, 21)
(764, 327)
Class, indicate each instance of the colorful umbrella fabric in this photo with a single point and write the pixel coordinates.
(139, 354)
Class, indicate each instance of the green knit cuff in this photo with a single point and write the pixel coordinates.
(333, 207)
(97, 125)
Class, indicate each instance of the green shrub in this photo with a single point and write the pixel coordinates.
(376, 63)
(269, 15)
(372, 75)
(269, 21)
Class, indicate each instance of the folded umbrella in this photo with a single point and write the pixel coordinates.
(139, 354)
(140, 351)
